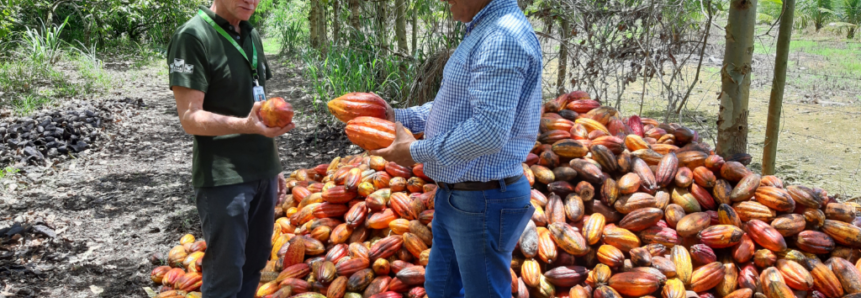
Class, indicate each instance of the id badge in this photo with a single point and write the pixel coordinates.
(258, 93)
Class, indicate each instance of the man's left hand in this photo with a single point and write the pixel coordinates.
(399, 151)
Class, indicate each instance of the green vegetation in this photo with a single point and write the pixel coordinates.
(8, 171)
(52, 50)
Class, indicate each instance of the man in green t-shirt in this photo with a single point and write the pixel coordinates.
(216, 65)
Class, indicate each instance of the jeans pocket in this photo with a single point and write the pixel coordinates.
(468, 202)
(512, 223)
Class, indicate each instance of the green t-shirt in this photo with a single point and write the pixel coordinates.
(202, 59)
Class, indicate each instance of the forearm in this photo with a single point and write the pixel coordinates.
(480, 135)
(204, 123)
(414, 118)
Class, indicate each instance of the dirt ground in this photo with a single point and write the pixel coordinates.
(130, 197)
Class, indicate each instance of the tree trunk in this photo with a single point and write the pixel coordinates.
(401, 26)
(354, 14)
(381, 23)
(415, 21)
(322, 32)
(775, 103)
(312, 24)
(336, 21)
(732, 126)
(563, 56)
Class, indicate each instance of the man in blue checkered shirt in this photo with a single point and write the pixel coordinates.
(478, 131)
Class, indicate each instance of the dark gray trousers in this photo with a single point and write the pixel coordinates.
(237, 224)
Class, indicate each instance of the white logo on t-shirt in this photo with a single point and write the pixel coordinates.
(179, 66)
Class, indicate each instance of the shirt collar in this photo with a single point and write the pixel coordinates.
(243, 25)
(491, 7)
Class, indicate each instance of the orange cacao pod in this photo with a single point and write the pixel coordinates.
(795, 275)
(843, 233)
(370, 133)
(667, 237)
(546, 246)
(684, 177)
(620, 238)
(721, 236)
(734, 171)
(582, 105)
(667, 169)
(629, 183)
(745, 189)
(380, 220)
(774, 198)
(804, 196)
(824, 279)
(634, 283)
(640, 219)
(692, 159)
(356, 104)
(338, 195)
(635, 201)
(548, 124)
(337, 288)
(693, 223)
(682, 259)
(814, 242)
(789, 224)
(610, 255)
(568, 239)
(673, 288)
(530, 271)
(594, 228)
(848, 275)
(704, 177)
(703, 197)
(765, 235)
(840, 212)
(814, 218)
(673, 213)
(386, 247)
(764, 258)
(351, 266)
(721, 192)
(750, 210)
(707, 276)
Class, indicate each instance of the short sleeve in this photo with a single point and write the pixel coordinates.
(186, 59)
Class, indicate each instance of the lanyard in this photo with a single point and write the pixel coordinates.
(230, 39)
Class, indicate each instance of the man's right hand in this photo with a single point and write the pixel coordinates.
(255, 125)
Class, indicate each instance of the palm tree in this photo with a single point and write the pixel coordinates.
(850, 15)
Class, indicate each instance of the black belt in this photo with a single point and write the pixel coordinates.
(478, 185)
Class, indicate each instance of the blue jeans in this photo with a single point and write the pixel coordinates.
(474, 234)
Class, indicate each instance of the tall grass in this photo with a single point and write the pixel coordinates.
(356, 69)
(43, 45)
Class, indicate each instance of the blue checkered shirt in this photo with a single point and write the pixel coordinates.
(484, 119)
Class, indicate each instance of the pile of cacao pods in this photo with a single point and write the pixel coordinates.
(625, 207)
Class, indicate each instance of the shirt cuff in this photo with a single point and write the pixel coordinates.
(421, 151)
(402, 116)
